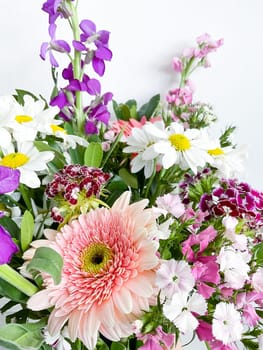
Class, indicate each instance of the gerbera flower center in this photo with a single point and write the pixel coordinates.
(180, 142)
(23, 119)
(56, 128)
(14, 160)
(95, 257)
(216, 151)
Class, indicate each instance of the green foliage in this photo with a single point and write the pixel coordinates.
(93, 155)
(128, 178)
(224, 138)
(258, 254)
(22, 337)
(47, 260)
(9, 291)
(149, 108)
(27, 229)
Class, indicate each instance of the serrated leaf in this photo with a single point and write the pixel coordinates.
(148, 108)
(128, 178)
(47, 260)
(27, 229)
(21, 337)
(93, 155)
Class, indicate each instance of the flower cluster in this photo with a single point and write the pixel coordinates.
(129, 229)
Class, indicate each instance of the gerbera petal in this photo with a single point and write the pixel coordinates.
(123, 300)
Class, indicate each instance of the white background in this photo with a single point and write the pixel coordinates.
(145, 35)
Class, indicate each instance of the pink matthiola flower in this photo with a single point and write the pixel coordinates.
(177, 64)
(108, 273)
(174, 277)
(206, 270)
(170, 203)
(202, 239)
(180, 96)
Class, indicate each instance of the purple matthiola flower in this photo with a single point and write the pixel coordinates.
(99, 113)
(100, 39)
(8, 247)
(9, 179)
(57, 45)
(56, 8)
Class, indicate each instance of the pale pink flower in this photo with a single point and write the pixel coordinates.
(174, 277)
(257, 280)
(108, 276)
(170, 203)
(226, 324)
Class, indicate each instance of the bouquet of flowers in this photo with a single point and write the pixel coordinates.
(123, 226)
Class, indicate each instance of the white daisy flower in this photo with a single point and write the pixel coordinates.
(181, 308)
(28, 160)
(187, 148)
(70, 141)
(142, 143)
(229, 161)
(6, 103)
(32, 117)
(226, 324)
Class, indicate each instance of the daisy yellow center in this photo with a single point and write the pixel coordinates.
(56, 128)
(23, 119)
(95, 257)
(180, 142)
(216, 151)
(14, 160)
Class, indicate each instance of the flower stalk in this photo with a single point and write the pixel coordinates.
(11, 276)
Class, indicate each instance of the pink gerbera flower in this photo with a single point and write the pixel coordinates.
(108, 273)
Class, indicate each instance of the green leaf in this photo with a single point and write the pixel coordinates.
(20, 95)
(47, 260)
(11, 292)
(117, 346)
(148, 109)
(10, 226)
(93, 155)
(128, 178)
(27, 229)
(21, 337)
(258, 254)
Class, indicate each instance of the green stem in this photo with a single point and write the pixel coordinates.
(146, 195)
(25, 197)
(207, 346)
(11, 276)
(80, 118)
